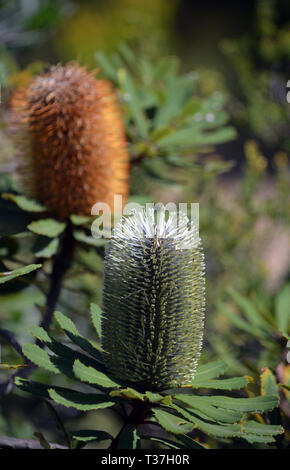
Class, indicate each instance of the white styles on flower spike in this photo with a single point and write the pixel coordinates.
(153, 300)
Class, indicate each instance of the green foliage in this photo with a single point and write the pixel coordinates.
(268, 383)
(129, 438)
(259, 90)
(164, 114)
(171, 130)
(46, 248)
(48, 227)
(27, 205)
(90, 435)
(91, 376)
(178, 412)
(238, 220)
(251, 317)
(12, 219)
(96, 313)
(37, 355)
(8, 275)
(80, 401)
(225, 384)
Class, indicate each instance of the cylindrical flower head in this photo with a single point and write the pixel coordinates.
(153, 301)
(71, 141)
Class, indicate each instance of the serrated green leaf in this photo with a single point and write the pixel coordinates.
(48, 250)
(255, 438)
(48, 227)
(92, 376)
(67, 397)
(219, 430)
(157, 398)
(66, 323)
(252, 427)
(226, 430)
(269, 386)
(9, 275)
(189, 442)
(184, 413)
(128, 393)
(255, 404)
(83, 238)
(73, 334)
(209, 411)
(282, 309)
(65, 356)
(28, 205)
(40, 333)
(167, 442)
(39, 357)
(29, 386)
(64, 365)
(153, 397)
(224, 384)
(90, 435)
(96, 314)
(128, 437)
(182, 441)
(79, 400)
(80, 219)
(172, 423)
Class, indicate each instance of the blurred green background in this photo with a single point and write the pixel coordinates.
(240, 50)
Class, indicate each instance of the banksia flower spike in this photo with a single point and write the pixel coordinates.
(73, 150)
(153, 301)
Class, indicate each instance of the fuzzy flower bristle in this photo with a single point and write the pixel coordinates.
(153, 301)
(71, 140)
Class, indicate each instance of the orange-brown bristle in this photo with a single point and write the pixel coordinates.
(72, 139)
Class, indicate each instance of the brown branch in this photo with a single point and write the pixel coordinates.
(6, 387)
(62, 262)
(14, 443)
(137, 417)
(10, 338)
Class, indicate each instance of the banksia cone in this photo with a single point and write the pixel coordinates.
(153, 301)
(71, 138)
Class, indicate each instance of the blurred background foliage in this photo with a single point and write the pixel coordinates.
(211, 127)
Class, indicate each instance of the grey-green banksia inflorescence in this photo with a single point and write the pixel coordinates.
(153, 300)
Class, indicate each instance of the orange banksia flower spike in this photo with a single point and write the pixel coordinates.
(71, 141)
